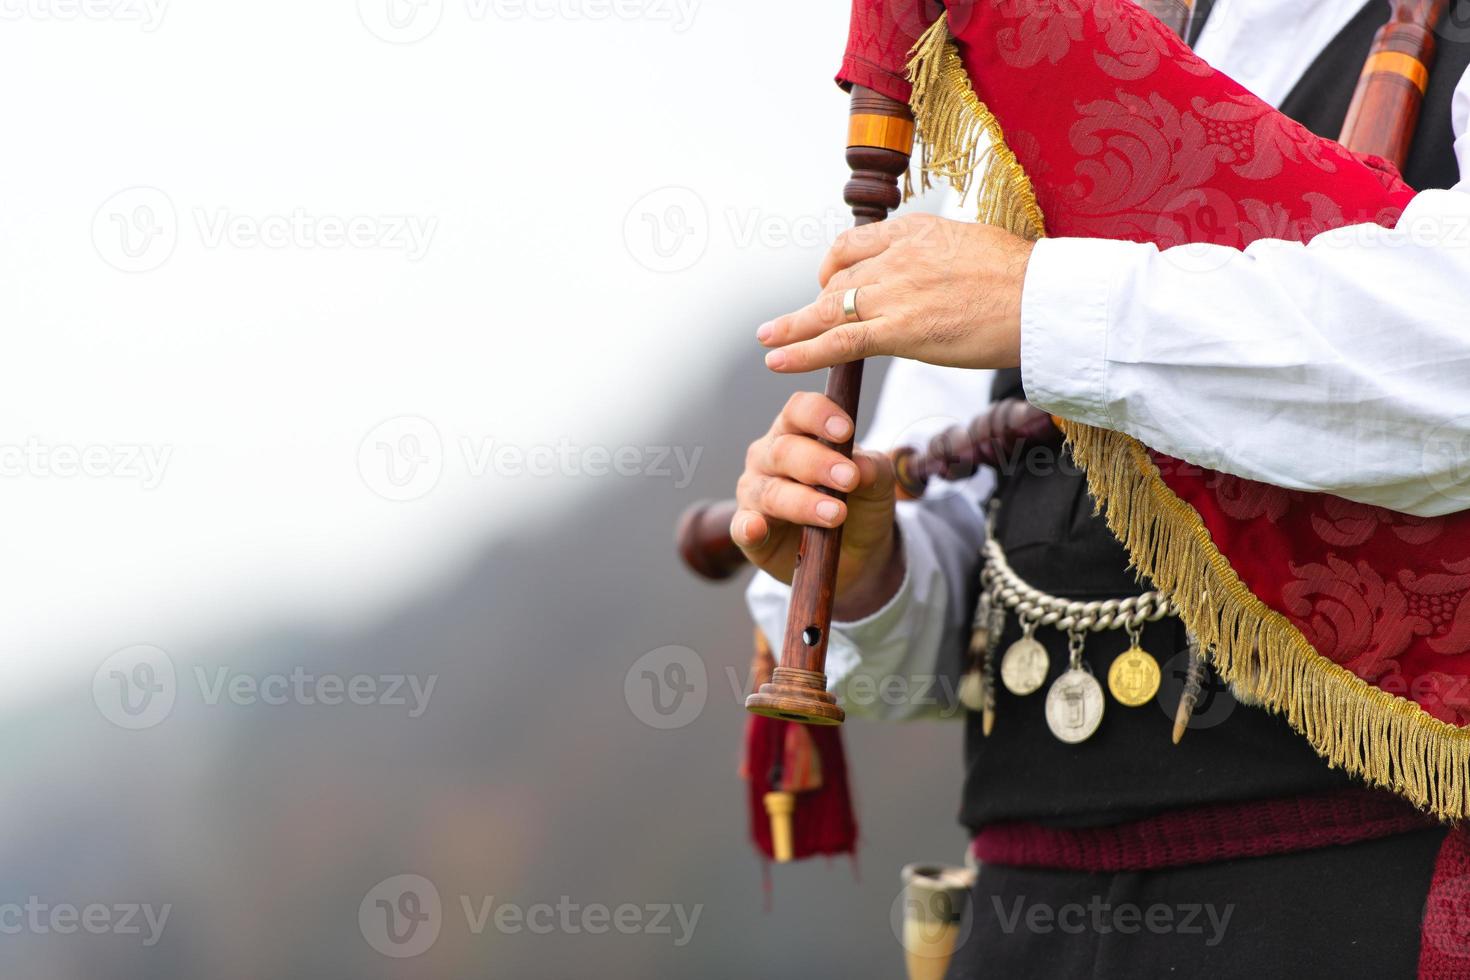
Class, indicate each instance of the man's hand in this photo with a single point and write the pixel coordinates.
(929, 289)
(776, 499)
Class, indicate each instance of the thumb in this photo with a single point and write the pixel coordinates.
(751, 532)
(875, 476)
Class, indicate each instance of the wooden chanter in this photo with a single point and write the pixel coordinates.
(880, 140)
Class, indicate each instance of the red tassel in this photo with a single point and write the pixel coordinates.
(808, 761)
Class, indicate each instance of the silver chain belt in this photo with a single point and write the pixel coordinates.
(1038, 608)
(1074, 704)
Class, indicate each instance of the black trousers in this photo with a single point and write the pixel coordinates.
(1341, 912)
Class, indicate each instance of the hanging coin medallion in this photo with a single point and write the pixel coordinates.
(1075, 700)
(1074, 703)
(1134, 676)
(1023, 669)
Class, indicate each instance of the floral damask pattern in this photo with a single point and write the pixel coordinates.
(1125, 134)
(1446, 696)
(1345, 524)
(1148, 169)
(878, 42)
(1133, 45)
(1260, 140)
(1031, 32)
(1245, 500)
(1438, 598)
(1370, 621)
(1349, 608)
(1123, 38)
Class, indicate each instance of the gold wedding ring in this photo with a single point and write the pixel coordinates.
(849, 305)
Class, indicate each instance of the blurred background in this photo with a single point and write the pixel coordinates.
(358, 359)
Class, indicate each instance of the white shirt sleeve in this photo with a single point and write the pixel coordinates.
(904, 661)
(1338, 366)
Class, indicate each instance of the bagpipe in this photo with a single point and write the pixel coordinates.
(1092, 119)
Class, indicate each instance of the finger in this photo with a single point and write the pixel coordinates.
(750, 530)
(857, 244)
(875, 476)
(805, 460)
(864, 273)
(812, 414)
(840, 345)
(824, 313)
(786, 500)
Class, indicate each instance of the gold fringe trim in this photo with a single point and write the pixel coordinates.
(1387, 740)
(962, 142)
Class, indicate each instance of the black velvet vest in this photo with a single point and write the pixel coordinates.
(1129, 768)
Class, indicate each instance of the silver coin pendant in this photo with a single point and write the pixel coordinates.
(1023, 669)
(1074, 706)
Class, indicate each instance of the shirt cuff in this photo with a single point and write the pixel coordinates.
(1064, 324)
(770, 601)
(877, 630)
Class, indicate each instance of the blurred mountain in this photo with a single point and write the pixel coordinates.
(528, 778)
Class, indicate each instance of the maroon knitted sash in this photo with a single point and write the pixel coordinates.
(1199, 835)
(1444, 939)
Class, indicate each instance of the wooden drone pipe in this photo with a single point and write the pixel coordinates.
(880, 140)
(703, 539)
(1384, 114)
(990, 439)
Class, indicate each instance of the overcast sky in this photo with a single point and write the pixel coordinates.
(298, 299)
